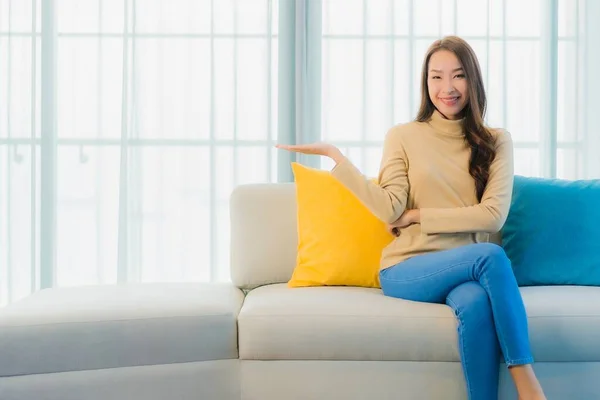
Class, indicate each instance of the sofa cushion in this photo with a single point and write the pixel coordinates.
(326, 257)
(552, 232)
(564, 322)
(345, 323)
(93, 327)
(264, 234)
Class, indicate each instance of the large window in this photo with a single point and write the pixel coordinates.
(125, 124)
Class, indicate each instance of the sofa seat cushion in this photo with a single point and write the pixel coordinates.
(564, 322)
(343, 323)
(94, 327)
(348, 323)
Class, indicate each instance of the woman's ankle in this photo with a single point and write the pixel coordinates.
(527, 384)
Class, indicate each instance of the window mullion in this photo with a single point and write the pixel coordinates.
(48, 146)
(548, 123)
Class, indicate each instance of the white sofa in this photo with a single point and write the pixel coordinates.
(258, 339)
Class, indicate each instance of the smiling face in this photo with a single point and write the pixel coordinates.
(447, 84)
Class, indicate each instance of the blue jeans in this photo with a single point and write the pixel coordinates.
(478, 283)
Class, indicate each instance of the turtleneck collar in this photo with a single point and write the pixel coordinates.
(446, 126)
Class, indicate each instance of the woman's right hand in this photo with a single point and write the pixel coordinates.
(319, 148)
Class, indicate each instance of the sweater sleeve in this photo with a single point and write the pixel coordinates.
(386, 199)
(490, 214)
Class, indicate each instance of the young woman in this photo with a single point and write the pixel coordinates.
(445, 185)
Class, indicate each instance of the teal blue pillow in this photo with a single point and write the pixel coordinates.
(552, 233)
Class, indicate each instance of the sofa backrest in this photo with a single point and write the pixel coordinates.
(264, 235)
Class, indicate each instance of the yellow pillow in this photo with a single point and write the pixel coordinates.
(339, 240)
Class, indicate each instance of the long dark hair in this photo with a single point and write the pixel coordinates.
(477, 135)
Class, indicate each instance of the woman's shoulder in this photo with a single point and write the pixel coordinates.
(502, 141)
(498, 130)
(501, 135)
(405, 129)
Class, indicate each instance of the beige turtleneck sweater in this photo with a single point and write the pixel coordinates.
(425, 165)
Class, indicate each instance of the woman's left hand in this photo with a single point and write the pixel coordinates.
(321, 149)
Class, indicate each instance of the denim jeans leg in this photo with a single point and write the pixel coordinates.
(431, 277)
(477, 341)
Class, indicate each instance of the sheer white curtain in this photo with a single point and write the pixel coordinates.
(125, 124)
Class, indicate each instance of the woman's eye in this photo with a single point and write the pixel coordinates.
(460, 76)
(435, 77)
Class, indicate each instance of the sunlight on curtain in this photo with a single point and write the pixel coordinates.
(199, 88)
(163, 107)
(372, 55)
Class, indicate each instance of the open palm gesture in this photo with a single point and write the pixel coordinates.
(319, 148)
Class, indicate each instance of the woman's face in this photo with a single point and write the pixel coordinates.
(447, 84)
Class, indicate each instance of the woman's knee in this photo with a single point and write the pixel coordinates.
(491, 250)
(493, 257)
(469, 297)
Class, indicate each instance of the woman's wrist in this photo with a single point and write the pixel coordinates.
(336, 155)
(416, 216)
